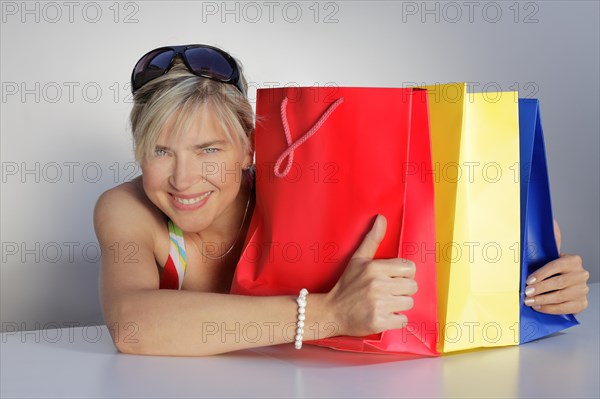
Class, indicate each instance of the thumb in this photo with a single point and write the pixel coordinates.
(557, 234)
(371, 242)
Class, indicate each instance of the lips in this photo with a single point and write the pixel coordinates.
(193, 200)
(190, 202)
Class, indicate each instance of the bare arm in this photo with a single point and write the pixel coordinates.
(145, 320)
(189, 323)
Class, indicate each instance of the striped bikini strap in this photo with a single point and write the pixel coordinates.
(177, 250)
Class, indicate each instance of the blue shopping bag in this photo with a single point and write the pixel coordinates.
(538, 245)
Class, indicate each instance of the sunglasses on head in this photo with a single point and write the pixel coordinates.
(201, 60)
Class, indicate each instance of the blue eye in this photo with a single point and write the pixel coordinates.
(210, 150)
(160, 152)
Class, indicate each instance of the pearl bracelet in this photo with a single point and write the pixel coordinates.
(301, 301)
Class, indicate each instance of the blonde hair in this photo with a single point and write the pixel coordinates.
(182, 94)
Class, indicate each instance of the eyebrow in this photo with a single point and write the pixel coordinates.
(210, 144)
(197, 146)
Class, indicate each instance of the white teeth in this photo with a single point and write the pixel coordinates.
(192, 200)
(188, 201)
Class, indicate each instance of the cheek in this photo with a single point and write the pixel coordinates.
(153, 177)
(225, 174)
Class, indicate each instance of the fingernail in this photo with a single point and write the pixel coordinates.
(531, 280)
(529, 301)
(529, 291)
(537, 307)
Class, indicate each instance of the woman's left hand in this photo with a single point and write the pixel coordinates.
(560, 286)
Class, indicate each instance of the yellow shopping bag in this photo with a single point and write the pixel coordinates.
(475, 157)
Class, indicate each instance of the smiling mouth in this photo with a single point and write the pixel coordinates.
(192, 201)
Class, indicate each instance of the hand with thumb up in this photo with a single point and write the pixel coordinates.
(371, 294)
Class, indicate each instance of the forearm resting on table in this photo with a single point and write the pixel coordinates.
(190, 323)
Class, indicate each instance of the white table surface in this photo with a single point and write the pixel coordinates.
(68, 363)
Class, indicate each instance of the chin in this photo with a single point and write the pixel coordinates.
(189, 225)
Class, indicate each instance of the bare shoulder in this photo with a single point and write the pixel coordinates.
(125, 210)
(128, 227)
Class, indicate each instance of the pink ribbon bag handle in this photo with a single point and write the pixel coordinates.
(289, 152)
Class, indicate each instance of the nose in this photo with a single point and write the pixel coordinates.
(183, 175)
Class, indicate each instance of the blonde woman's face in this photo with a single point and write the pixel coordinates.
(194, 177)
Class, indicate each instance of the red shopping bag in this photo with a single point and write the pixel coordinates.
(328, 161)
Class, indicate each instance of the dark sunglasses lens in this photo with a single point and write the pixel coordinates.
(206, 61)
(151, 66)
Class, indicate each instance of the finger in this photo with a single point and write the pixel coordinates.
(395, 321)
(399, 286)
(558, 282)
(565, 263)
(371, 242)
(405, 287)
(397, 304)
(405, 268)
(557, 235)
(562, 308)
(403, 304)
(569, 294)
(394, 267)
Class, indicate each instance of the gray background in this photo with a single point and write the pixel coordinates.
(65, 102)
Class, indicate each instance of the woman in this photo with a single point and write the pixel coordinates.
(192, 127)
